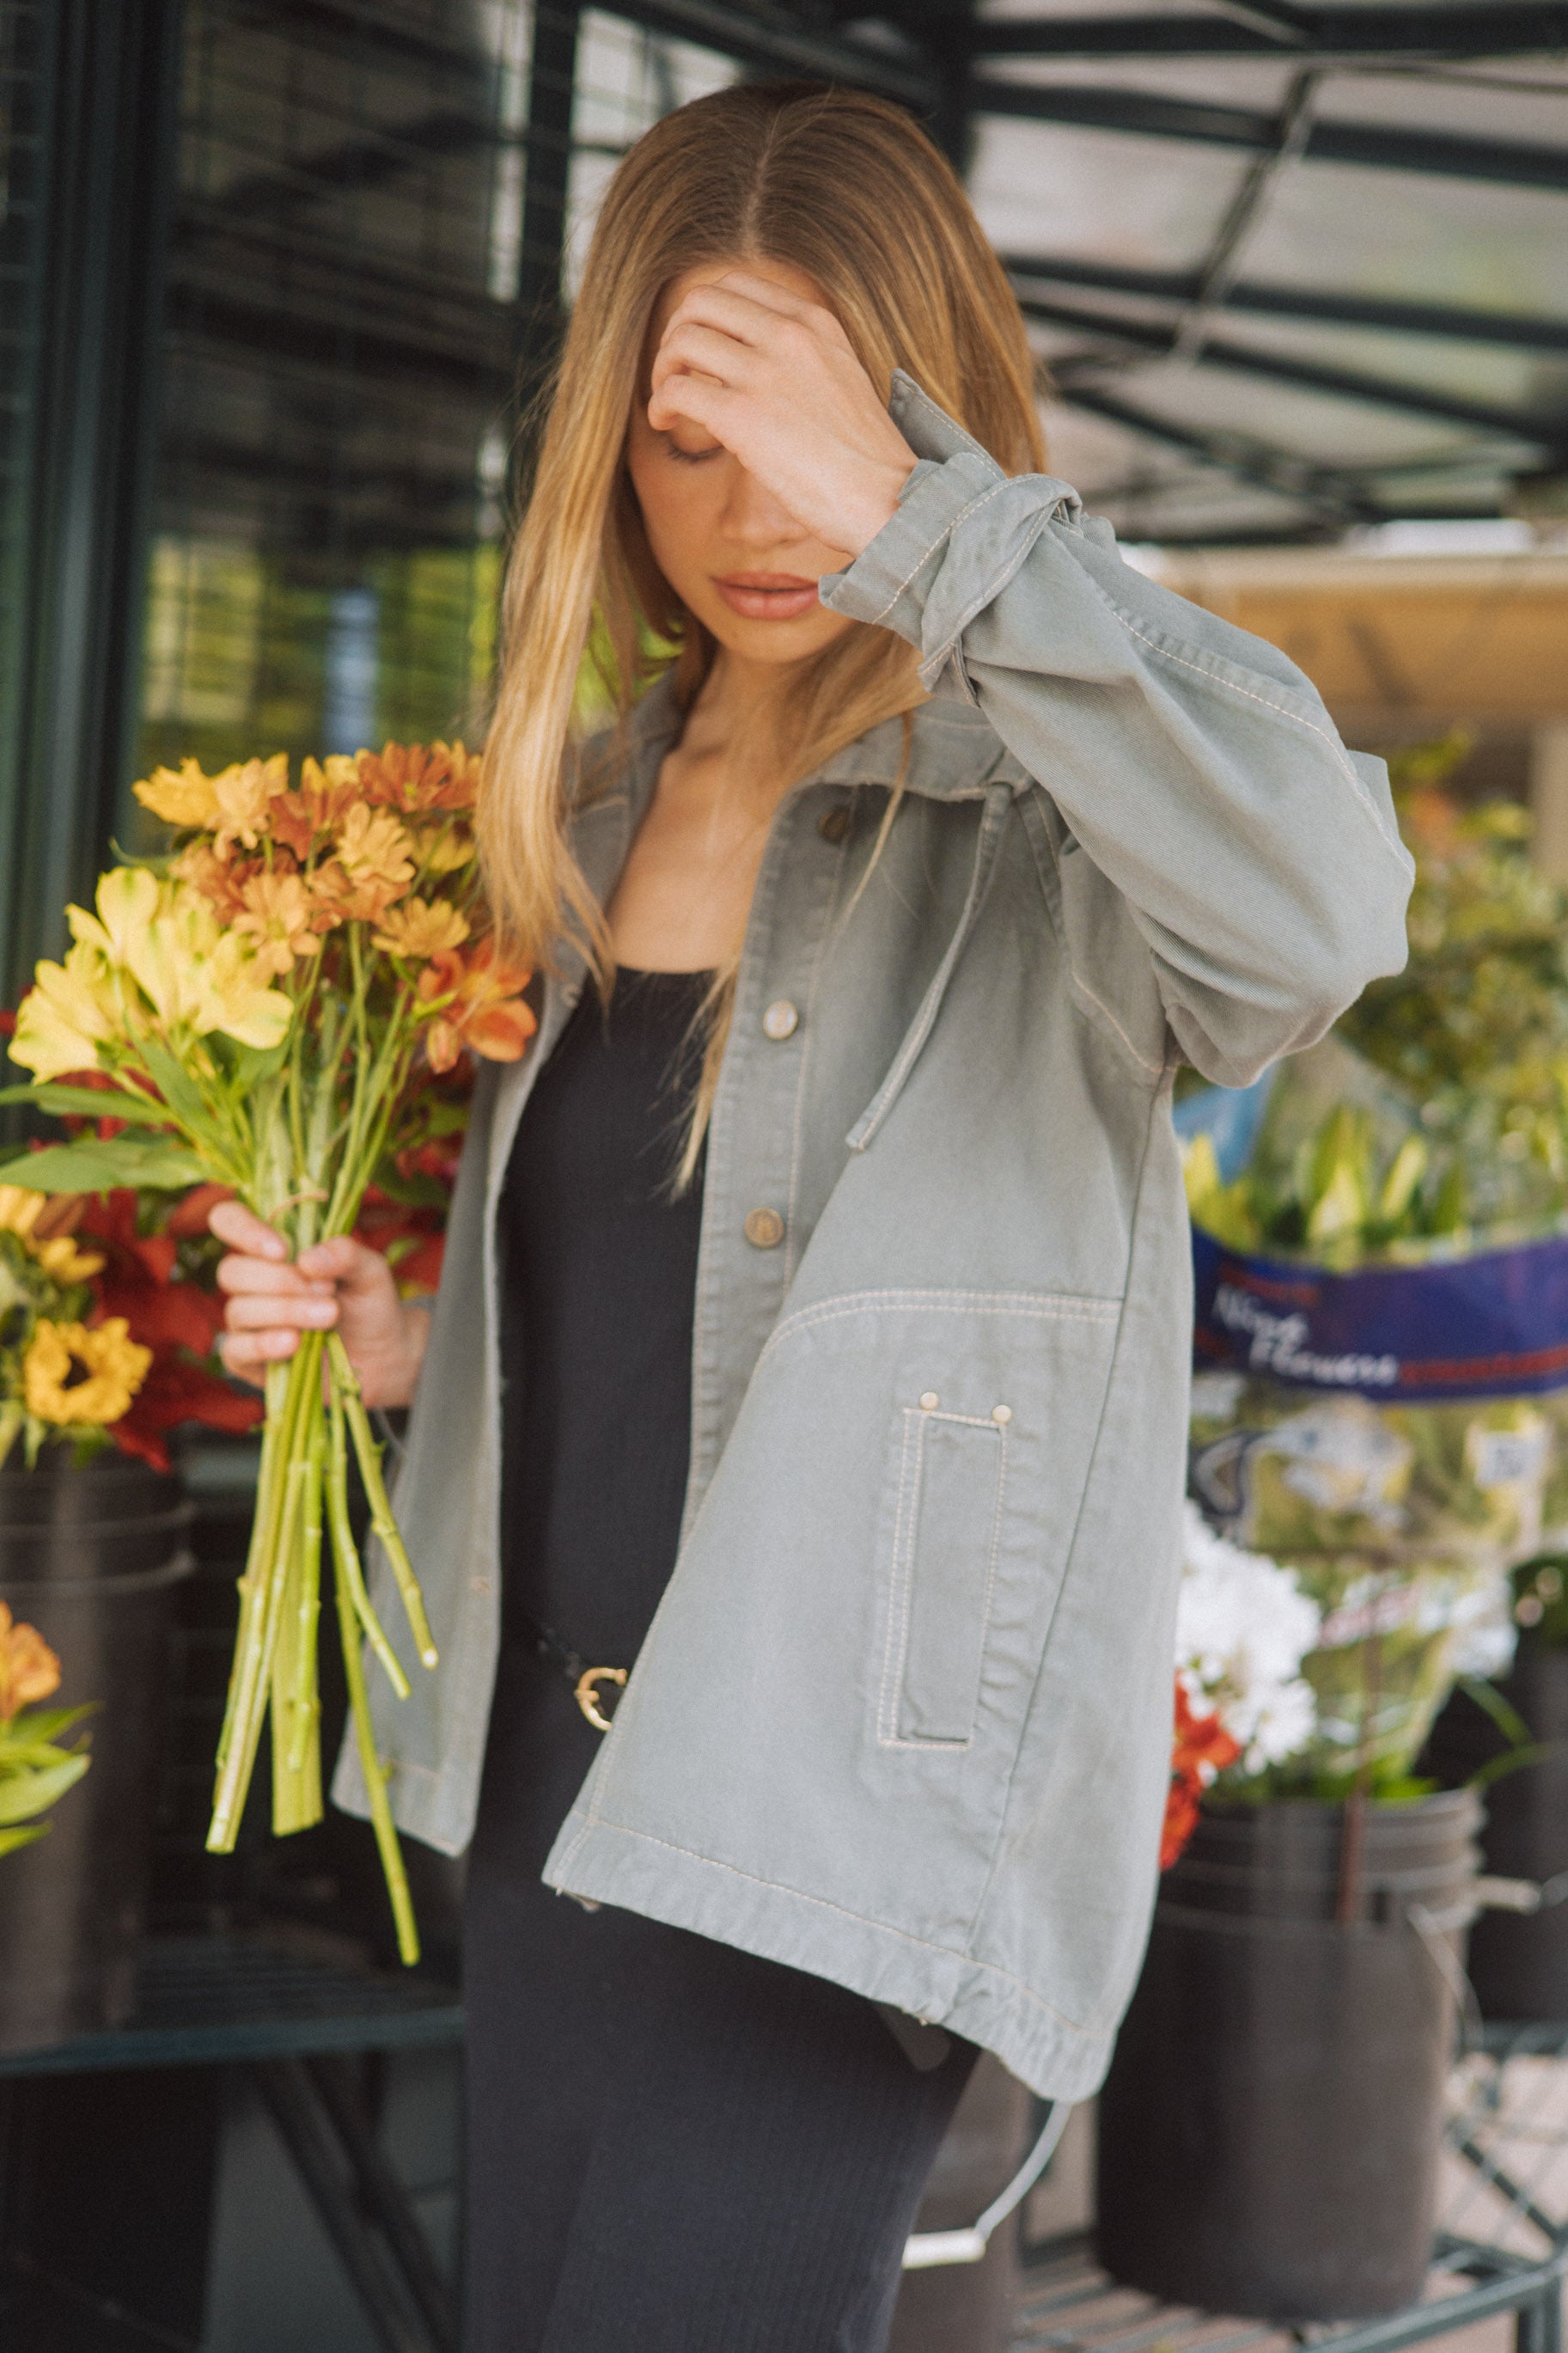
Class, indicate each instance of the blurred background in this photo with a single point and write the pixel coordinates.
(277, 276)
(278, 280)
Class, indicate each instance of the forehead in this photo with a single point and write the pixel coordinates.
(782, 274)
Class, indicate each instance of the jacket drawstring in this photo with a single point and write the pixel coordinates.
(987, 853)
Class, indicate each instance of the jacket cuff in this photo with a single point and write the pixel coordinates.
(888, 582)
(962, 531)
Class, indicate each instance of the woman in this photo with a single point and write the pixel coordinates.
(832, 1234)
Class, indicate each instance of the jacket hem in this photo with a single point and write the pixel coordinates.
(598, 1862)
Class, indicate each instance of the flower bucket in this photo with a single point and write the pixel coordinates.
(1518, 1960)
(89, 1556)
(1269, 2132)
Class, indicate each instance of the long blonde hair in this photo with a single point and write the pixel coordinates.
(848, 189)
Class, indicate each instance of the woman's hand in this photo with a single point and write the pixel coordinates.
(338, 1285)
(770, 375)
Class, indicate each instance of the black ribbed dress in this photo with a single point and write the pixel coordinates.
(673, 2147)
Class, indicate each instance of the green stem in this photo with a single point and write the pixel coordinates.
(347, 1551)
(364, 1736)
(296, 1700)
(261, 1594)
(345, 1382)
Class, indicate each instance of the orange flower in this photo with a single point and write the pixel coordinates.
(327, 791)
(277, 915)
(421, 927)
(220, 880)
(29, 1670)
(376, 853)
(477, 1004)
(243, 795)
(409, 776)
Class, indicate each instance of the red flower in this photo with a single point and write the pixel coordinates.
(1201, 1748)
(175, 1392)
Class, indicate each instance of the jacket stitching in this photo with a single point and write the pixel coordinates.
(797, 1138)
(902, 1584)
(1065, 1578)
(982, 498)
(826, 1903)
(1002, 581)
(1342, 761)
(1067, 1309)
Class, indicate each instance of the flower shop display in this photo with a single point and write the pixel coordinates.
(1270, 2127)
(263, 1010)
(1512, 1741)
(36, 1769)
(91, 1554)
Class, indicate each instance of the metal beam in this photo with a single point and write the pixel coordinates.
(1291, 131)
(1549, 433)
(1495, 28)
(1334, 497)
(1512, 331)
(777, 41)
(90, 226)
(1380, 147)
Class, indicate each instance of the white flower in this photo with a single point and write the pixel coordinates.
(1243, 1628)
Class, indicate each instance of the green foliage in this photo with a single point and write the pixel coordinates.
(35, 1771)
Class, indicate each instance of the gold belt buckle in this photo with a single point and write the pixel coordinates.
(585, 1691)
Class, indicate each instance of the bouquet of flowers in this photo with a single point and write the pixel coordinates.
(266, 1006)
(35, 1769)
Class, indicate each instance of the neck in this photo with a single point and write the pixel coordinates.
(734, 697)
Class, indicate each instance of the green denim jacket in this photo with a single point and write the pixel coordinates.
(903, 1718)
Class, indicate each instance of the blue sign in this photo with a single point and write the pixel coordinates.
(1494, 1324)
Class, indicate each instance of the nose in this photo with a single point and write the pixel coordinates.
(754, 518)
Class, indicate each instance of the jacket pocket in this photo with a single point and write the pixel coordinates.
(948, 1474)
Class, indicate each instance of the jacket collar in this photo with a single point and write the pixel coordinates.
(954, 754)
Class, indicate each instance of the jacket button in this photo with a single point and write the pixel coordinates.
(764, 1230)
(833, 824)
(780, 1020)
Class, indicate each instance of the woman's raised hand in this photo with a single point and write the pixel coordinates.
(338, 1285)
(770, 375)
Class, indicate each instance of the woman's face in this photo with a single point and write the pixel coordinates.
(734, 557)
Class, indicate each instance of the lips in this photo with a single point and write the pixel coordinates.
(767, 595)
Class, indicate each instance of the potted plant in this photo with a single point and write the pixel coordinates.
(36, 1770)
(1270, 2127)
(105, 1331)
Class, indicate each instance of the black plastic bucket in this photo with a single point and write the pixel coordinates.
(1518, 1961)
(91, 1557)
(1269, 2132)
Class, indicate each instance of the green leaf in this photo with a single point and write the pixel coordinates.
(252, 1065)
(91, 1165)
(11, 1840)
(87, 1102)
(36, 1723)
(174, 1083)
(32, 1793)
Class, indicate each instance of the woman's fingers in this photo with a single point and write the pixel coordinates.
(242, 1229)
(298, 1311)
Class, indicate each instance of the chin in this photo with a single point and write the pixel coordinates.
(773, 641)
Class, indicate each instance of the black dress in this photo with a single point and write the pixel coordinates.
(673, 2147)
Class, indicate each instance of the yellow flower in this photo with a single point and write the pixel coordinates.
(184, 797)
(19, 1210)
(29, 1670)
(421, 927)
(375, 850)
(242, 794)
(127, 898)
(441, 848)
(65, 1016)
(73, 1374)
(237, 1000)
(63, 1262)
(276, 920)
(56, 1253)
